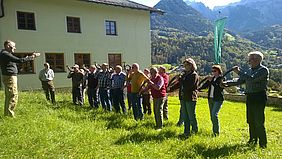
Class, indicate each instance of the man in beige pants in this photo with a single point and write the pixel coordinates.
(9, 75)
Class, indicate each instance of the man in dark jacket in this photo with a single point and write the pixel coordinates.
(77, 79)
(255, 79)
(92, 84)
(9, 75)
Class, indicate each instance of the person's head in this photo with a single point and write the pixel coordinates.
(46, 65)
(153, 71)
(190, 64)
(162, 70)
(146, 72)
(82, 71)
(135, 67)
(104, 66)
(255, 58)
(216, 70)
(118, 69)
(92, 68)
(10, 46)
(75, 68)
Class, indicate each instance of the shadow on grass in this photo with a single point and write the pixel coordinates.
(120, 121)
(69, 105)
(213, 152)
(81, 112)
(114, 121)
(139, 137)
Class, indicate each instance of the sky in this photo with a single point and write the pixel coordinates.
(209, 3)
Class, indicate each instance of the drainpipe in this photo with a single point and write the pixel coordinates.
(1, 8)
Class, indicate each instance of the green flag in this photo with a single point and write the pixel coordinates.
(218, 32)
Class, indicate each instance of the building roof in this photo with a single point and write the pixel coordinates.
(126, 4)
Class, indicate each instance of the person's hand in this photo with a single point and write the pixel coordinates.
(130, 71)
(236, 69)
(168, 89)
(223, 84)
(209, 78)
(35, 54)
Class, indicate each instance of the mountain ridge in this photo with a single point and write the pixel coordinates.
(180, 16)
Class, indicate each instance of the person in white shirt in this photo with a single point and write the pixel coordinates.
(46, 77)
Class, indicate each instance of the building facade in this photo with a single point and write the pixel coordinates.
(84, 32)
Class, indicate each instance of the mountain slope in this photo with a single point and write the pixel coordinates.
(201, 8)
(248, 15)
(180, 16)
(270, 37)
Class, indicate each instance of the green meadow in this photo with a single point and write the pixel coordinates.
(41, 130)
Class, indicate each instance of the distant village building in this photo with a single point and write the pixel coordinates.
(84, 32)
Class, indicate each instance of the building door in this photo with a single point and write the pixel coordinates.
(82, 59)
(114, 59)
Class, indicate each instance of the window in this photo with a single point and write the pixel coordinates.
(27, 67)
(56, 61)
(82, 59)
(114, 59)
(73, 25)
(26, 21)
(111, 28)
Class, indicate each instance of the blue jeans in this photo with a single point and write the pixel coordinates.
(105, 99)
(188, 109)
(214, 110)
(118, 100)
(136, 106)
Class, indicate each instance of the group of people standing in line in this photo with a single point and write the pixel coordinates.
(107, 88)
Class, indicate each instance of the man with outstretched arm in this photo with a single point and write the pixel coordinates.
(255, 79)
(9, 71)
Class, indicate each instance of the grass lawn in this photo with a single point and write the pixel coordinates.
(41, 130)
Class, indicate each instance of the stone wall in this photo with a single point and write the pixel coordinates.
(242, 98)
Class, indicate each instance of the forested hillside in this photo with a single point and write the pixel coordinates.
(270, 37)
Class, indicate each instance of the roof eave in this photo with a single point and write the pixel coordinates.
(152, 10)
